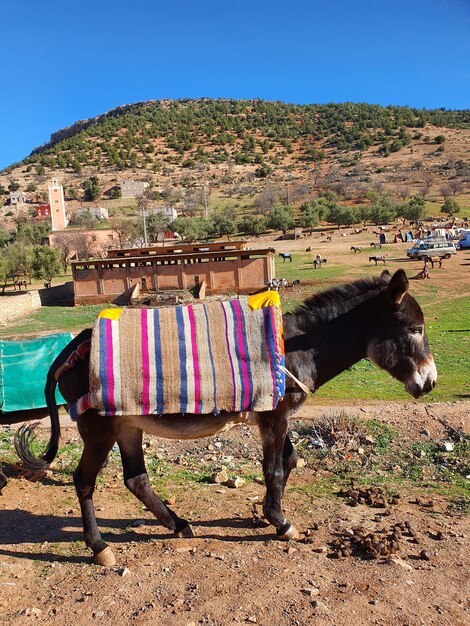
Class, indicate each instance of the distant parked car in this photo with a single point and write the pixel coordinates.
(432, 247)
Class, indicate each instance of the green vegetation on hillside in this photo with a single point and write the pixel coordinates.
(152, 134)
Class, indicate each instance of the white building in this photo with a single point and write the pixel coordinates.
(170, 213)
(98, 212)
(132, 188)
(17, 197)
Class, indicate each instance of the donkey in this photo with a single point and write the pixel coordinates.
(377, 259)
(286, 256)
(327, 333)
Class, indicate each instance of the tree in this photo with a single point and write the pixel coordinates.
(413, 210)
(221, 225)
(252, 225)
(6, 270)
(311, 213)
(281, 217)
(450, 207)
(63, 243)
(20, 258)
(127, 230)
(363, 213)
(45, 263)
(191, 229)
(382, 209)
(342, 215)
(32, 233)
(72, 193)
(157, 224)
(91, 188)
(14, 185)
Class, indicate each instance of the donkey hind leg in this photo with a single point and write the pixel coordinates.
(137, 481)
(93, 456)
(273, 430)
(290, 459)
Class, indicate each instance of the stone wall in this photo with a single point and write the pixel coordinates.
(60, 295)
(16, 306)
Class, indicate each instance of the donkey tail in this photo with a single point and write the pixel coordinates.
(26, 435)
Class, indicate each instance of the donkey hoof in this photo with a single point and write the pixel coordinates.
(104, 558)
(187, 532)
(290, 533)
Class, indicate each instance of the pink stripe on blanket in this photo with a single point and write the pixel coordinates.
(110, 367)
(197, 372)
(145, 364)
(243, 356)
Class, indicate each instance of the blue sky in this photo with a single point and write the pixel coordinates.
(65, 60)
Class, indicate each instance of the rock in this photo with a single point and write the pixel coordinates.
(31, 611)
(235, 483)
(301, 463)
(320, 607)
(424, 554)
(98, 614)
(251, 619)
(425, 432)
(310, 591)
(448, 446)
(220, 477)
(124, 571)
(398, 561)
(171, 500)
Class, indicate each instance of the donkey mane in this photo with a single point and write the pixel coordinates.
(331, 303)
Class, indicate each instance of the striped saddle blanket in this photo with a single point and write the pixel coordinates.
(203, 358)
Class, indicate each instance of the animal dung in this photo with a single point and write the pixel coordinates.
(369, 545)
(371, 496)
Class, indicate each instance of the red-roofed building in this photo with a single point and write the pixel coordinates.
(43, 212)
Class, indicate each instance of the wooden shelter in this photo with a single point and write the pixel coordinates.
(236, 270)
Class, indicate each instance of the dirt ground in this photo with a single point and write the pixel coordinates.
(235, 571)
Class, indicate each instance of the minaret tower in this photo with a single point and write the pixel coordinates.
(57, 204)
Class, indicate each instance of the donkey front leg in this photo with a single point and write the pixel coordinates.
(137, 481)
(273, 429)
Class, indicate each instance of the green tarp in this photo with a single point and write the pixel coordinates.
(23, 371)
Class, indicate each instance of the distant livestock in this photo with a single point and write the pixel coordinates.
(317, 263)
(276, 283)
(286, 255)
(378, 258)
(374, 244)
(356, 249)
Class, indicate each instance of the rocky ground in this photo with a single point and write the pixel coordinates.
(235, 571)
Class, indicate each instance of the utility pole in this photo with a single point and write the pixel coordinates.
(146, 243)
(206, 208)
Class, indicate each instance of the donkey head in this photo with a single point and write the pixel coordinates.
(399, 343)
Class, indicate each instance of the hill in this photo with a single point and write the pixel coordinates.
(240, 149)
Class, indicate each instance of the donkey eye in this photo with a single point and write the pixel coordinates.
(416, 330)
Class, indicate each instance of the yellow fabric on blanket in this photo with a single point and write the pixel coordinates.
(266, 298)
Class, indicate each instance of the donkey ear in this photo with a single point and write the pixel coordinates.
(397, 287)
(385, 274)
